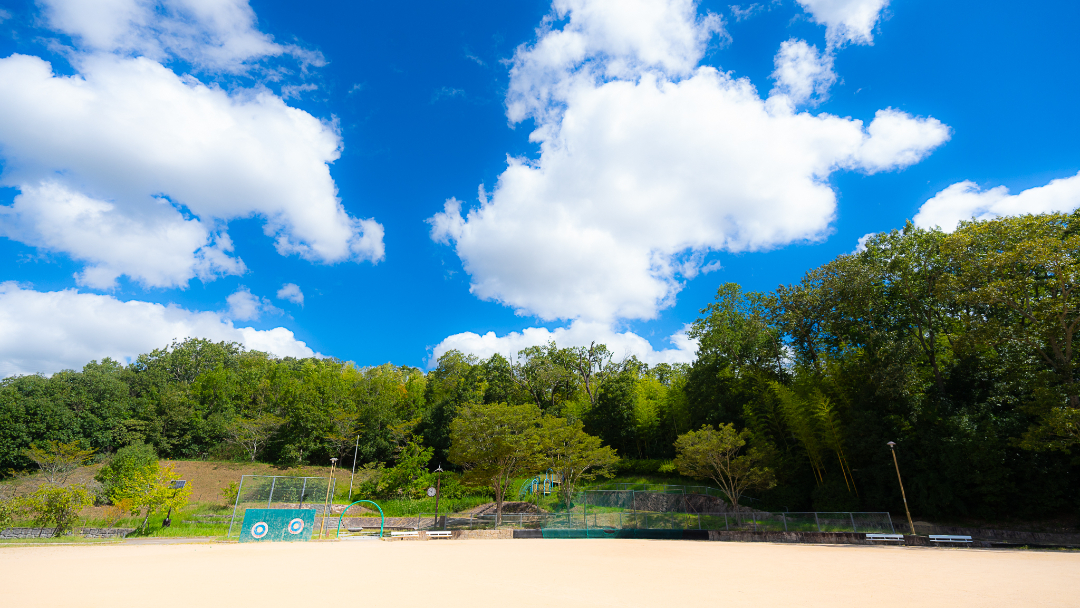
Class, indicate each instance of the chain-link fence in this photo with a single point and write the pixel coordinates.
(280, 492)
(648, 510)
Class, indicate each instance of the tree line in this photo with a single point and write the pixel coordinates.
(959, 347)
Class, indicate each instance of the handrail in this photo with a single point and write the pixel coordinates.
(382, 523)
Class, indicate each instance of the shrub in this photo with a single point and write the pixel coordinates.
(129, 461)
(58, 506)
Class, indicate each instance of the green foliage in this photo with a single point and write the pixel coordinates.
(575, 456)
(58, 460)
(494, 443)
(229, 494)
(148, 490)
(132, 461)
(408, 478)
(717, 454)
(57, 506)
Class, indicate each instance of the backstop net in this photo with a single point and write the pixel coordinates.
(281, 492)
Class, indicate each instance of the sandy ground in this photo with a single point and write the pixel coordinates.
(563, 573)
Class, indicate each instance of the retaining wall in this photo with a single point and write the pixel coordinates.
(48, 532)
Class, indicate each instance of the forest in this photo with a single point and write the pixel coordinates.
(957, 346)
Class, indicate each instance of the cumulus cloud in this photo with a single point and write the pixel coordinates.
(246, 306)
(292, 293)
(648, 161)
(802, 74)
(846, 20)
(50, 331)
(965, 201)
(156, 163)
(579, 333)
(215, 34)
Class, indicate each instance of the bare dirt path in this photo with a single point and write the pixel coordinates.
(560, 573)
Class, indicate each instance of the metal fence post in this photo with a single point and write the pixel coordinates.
(273, 481)
(236, 504)
(816, 522)
(892, 530)
(853, 528)
(784, 518)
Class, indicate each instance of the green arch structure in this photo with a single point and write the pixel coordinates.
(382, 524)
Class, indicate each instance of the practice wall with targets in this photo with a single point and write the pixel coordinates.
(277, 525)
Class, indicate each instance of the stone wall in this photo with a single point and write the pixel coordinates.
(48, 532)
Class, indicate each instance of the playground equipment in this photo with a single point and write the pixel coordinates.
(382, 523)
(541, 483)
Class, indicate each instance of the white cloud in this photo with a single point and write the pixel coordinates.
(292, 293)
(4, 15)
(579, 333)
(49, 331)
(965, 200)
(216, 34)
(861, 245)
(246, 306)
(802, 73)
(156, 163)
(846, 20)
(648, 162)
(741, 13)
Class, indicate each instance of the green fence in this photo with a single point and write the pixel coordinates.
(618, 509)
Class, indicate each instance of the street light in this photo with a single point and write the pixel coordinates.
(892, 446)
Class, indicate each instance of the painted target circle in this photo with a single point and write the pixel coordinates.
(260, 529)
(296, 526)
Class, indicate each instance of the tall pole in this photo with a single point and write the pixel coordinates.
(355, 449)
(438, 478)
(326, 502)
(892, 448)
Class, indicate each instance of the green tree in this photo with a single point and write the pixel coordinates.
(129, 461)
(717, 454)
(574, 455)
(58, 460)
(58, 506)
(149, 491)
(494, 443)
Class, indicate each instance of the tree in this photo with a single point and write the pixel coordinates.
(128, 461)
(494, 443)
(11, 507)
(149, 489)
(1019, 275)
(716, 454)
(574, 454)
(58, 460)
(58, 506)
(252, 434)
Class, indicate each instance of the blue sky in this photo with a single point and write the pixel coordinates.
(175, 165)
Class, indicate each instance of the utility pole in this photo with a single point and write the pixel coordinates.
(892, 446)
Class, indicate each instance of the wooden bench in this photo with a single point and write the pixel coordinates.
(893, 537)
(949, 538)
(439, 533)
(404, 534)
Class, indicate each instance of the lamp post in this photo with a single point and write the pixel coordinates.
(438, 479)
(326, 502)
(892, 448)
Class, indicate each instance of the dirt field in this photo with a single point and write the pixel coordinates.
(560, 573)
